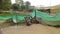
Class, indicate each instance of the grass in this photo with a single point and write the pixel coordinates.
(9, 14)
(21, 23)
(5, 14)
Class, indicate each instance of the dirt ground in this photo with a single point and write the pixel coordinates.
(33, 29)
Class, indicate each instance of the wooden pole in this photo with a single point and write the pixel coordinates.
(35, 14)
(16, 17)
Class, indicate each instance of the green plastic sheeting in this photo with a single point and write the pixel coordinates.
(14, 17)
(4, 18)
(46, 16)
(18, 17)
(40, 14)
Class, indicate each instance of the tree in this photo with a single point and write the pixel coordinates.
(15, 6)
(0, 4)
(27, 4)
(5, 4)
(21, 4)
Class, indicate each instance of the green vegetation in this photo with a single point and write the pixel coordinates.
(15, 6)
(55, 8)
(19, 5)
(22, 5)
(9, 14)
(27, 5)
(21, 23)
(5, 14)
(5, 4)
(23, 14)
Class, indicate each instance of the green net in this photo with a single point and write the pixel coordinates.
(14, 17)
(4, 18)
(46, 16)
(18, 17)
(40, 14)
